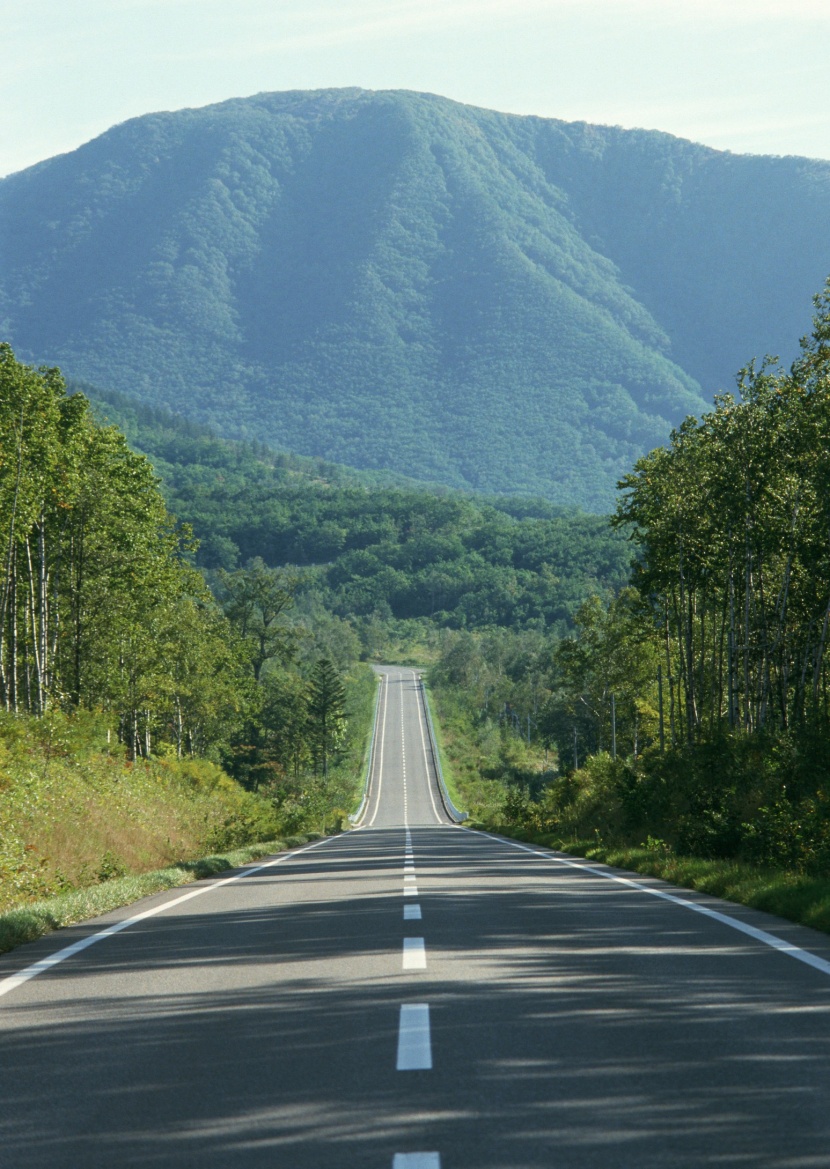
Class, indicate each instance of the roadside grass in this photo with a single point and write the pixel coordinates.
(73, 817)
(30, 922)
(484, 765)
(446, 767)
(410, 642)
(793, 896)
(84, 830)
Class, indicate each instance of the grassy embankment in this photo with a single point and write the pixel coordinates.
(470, 763)
(84, 831)
(487, 767)
(456, 793)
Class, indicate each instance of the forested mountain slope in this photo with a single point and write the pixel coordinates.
(393, 280)
(375, 552)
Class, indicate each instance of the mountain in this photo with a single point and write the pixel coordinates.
(394, 280)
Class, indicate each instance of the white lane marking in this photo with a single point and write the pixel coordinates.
(416, 1161)
(412, 913)
(376, 761)
(15, 980)
(380, 754)
(767, 939)
(403, 765)
(414, 1043)
(410, 891)
(424, 749)
(414, 954)
(409, 877)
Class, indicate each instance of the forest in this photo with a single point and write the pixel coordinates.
(693, 709)
(369, 550)
(656, 681)
(103, 613)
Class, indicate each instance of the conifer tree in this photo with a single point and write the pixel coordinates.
(326, 713)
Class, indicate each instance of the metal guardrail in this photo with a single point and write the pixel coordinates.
(358, 815)
(450, 807)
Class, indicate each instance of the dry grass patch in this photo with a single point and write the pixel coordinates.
(72, 817)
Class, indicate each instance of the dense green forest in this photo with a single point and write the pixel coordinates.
(693, 710)
(662, 679)
(370, 552)
(102, 611)
(393, 280)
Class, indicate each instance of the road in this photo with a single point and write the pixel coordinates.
(417, 995)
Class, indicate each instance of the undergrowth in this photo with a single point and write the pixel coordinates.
(73, 816)
(30, 922)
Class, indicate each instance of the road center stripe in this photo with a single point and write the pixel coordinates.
(414, 1043)
(416, 1161)
(414, 954)
(412, 913)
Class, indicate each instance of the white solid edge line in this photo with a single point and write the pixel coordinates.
(14, 980)
(414, 1042)
(735, 923)
(416, 1161)
(380, 755)
(421, 699)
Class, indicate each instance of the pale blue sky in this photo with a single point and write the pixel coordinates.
(743, 75)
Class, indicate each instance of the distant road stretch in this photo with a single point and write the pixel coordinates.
(415, 995)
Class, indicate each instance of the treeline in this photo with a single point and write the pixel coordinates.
(101, 609)
(733, 523)
(375, 549)
(695, 709)
(97, 606)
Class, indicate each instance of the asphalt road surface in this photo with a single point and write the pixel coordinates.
(416, 995)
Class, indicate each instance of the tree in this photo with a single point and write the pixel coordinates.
(605, 680)
(326, 713)
(97, 607)
(255, 600)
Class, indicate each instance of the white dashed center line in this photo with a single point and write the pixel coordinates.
(412, 913)
(414, 1044)
(414, 954)
(416, 1161)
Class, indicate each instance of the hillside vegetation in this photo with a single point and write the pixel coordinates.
(75, 813)
(142, 719)
(393, 280)
(370, 553)
(692, 712)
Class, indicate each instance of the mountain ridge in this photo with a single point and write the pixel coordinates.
(390, 279)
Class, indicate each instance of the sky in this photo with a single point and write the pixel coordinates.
(749, 76)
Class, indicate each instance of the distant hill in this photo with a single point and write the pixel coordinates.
(368, 548)
(393, 280)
